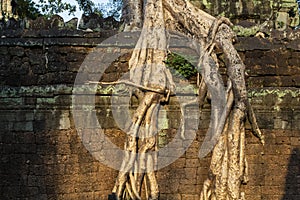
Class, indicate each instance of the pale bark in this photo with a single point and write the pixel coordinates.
(147, 69)
(230, 105)
(228, 161)
(132, 14)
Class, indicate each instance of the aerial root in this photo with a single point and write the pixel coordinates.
(128, 188)
(254, 126)
(205, 194)
(228, 165)
(146, 110)
(148, 142)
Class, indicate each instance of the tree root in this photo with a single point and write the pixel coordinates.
(230, 147)
(252, 119)
(229, 106)
(147, 111)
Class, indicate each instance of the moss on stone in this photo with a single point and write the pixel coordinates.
(246, 32)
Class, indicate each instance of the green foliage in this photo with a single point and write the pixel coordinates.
(113, 8)
(27, 8)
(30, 9)
(52, 7)
(179, 66)
(110, 9)
(87, 6)
(47, 8)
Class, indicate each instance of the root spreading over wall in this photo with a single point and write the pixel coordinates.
(229, 102)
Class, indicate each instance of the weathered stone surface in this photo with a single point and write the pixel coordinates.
(257, 11)
(56, 22)
(43, 157)
(72, 24)
(94, 22)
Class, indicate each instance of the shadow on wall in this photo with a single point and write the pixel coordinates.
(292, 184)
(29, 156)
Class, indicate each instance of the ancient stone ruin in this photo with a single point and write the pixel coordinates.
(44, 157)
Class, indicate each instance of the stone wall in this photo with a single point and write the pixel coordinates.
(282, 13)
(43, 156)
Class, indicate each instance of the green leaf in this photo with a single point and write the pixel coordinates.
(179, 66)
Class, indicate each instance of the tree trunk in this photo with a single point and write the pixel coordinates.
(226, 135)
(132, 14)
(147, 69)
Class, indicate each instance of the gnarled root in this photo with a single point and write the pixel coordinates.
(226, 132)
(127, 178)
(228, 165)
(148, 71)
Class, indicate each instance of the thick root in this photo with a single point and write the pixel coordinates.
(128, 176)
(148, 73)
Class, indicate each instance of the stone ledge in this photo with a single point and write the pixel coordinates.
(63, 89)
(50, 106)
